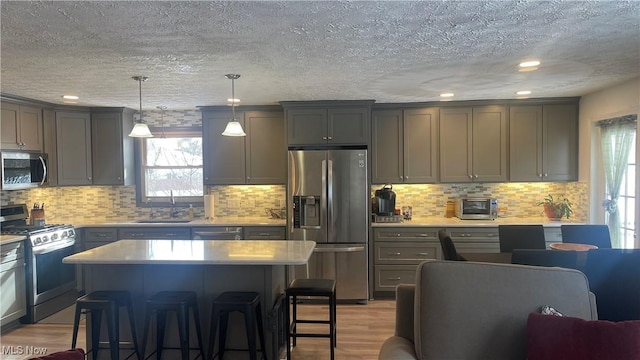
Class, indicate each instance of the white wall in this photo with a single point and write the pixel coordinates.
(618, 100)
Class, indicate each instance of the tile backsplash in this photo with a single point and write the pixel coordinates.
(514, 199)
(116, 203)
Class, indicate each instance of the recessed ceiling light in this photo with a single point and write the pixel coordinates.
(446, 95)
(528, 64)
(70, 97)
(233, 100)
(524, 92)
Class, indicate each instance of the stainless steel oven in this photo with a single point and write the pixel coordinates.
(50, 284)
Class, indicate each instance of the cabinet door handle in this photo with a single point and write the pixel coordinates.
(394, 254)
(545, 174)
(470, 176)
(424, 235)
(330, 137)
(423, 254)
(101, 235)
(264, 234)
(475, 176)
(324, 138)
(393, 278)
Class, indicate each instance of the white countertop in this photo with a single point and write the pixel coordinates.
(7, 239)
(219, 221)
(455, 222)
(198, 252)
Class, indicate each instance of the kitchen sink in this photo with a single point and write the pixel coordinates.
(161, 221)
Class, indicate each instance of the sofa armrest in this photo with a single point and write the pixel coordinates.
(405, 294)
(594, 306)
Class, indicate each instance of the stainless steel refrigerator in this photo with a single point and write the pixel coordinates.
(327, 196)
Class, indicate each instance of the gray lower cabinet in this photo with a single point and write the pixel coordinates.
(396, 253)
(475, 239)
(404, 146)
(168, 233)
(543, 142)
(94, 237)
(257, 159)
(12, 282)
(264, 233)
(73, 147)
(328, 122)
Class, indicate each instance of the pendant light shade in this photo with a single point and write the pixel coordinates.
(140, 129)
(234, 128)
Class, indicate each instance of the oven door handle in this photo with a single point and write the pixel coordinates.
(49, 249)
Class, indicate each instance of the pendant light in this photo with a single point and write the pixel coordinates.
(140, 129)
(234, 128)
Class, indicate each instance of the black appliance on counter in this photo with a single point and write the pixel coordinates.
(384, 202)
(51, 284)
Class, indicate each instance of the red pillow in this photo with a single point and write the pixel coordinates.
(75, 354)
(566, 338)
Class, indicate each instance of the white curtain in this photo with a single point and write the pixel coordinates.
(616, 139)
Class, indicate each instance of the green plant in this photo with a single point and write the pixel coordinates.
(557, 208)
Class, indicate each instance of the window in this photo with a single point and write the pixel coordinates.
(627, 201)
(172, 164)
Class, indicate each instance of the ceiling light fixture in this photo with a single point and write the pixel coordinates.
(140, 129)
(446, 95)
(532, 63)
(523, 92)
(70, 97)
(234, 128)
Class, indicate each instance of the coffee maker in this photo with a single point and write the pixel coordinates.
(384, 202)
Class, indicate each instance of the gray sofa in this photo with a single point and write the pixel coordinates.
(466, 310)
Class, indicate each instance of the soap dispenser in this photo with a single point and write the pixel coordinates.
(190, 211)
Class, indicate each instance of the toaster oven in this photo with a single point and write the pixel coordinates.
(476, 208)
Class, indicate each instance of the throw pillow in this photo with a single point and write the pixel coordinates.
(74, 354)
(567, 338)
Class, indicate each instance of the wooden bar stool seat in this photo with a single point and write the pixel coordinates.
(314, 288)
(246, 302)
(108, 302)
(179, 302)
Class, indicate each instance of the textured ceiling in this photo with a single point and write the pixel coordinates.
(313, 50)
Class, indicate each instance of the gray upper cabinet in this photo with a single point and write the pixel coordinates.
(404, 146)
(73, 147)
(112, 148)
(50, 148)
(544, 142)
(328, 123)
(258, 158)
(22, 127)
(473, 144)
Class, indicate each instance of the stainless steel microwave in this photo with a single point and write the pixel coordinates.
(477, 208)
(23, 170)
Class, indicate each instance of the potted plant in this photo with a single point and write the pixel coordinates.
(556, 209)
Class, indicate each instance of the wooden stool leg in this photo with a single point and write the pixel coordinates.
(161, 319)
(261, 330)
(183, 331)
(196, 320)
(76, 324)
(96, 318)
(113, 328)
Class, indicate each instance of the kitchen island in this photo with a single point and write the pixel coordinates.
(208, 267)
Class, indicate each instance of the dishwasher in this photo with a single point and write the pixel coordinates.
(217, 233)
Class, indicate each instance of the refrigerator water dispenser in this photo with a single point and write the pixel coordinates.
(306, 212)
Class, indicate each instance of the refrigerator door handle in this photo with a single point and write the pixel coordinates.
(330, 193)
(323, 197)
(339, 249)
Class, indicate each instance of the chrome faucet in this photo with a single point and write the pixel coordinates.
(174, 212)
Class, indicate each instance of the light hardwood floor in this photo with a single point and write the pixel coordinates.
(361, 331)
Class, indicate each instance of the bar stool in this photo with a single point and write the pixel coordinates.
(248, 303)
(109, 302)
(180, 302)
(311, 287)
